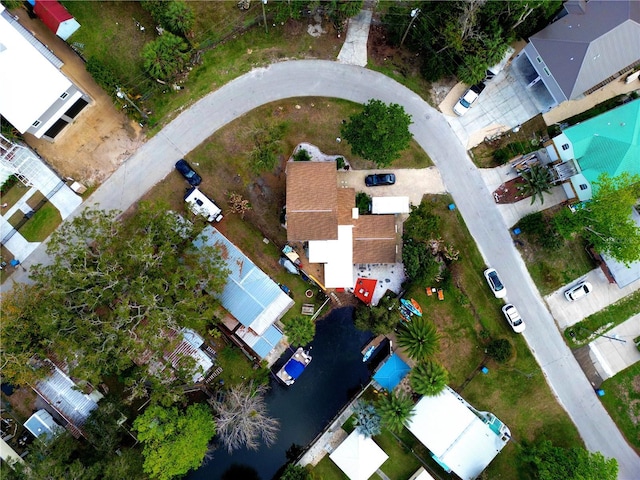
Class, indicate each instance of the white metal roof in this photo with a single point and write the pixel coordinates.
(450, 429)
(358, 456)
(30, 83)
(389, 205)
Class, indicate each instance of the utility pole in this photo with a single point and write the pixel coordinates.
(264, 16)
(414, 15)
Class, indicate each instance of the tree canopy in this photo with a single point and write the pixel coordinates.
(605, 221)
(379, 133)
(165, 57)
(174, 442)
(556, 463)
(380, 319)
(300, 330)
(110, 296)
(465, 37)
(420, 338)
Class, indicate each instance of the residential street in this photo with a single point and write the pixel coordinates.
(156, 158)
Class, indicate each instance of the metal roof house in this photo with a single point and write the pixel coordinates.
(249, 295)
(36, 97)
(591, 44)
(460, 438)
(59, 391)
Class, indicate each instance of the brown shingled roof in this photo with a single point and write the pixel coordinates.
(374, 239)
(312, 201)
(346, 203)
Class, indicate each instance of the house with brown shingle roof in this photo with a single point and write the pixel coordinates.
(325, 216)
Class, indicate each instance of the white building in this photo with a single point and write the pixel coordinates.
(35, 97)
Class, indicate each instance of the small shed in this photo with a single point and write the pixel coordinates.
(390, 205)
(358, 456)
(56, 18)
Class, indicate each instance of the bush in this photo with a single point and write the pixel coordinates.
(363, 202)
(506, 153)
(102, 74)
(500, 350)
(301, 156)
(340, 163)
(8, 183)
(542, 230)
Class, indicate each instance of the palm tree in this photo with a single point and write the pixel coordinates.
(419, 338)
(538, 181)
(367, 420)
(429, 378)
(395, 411)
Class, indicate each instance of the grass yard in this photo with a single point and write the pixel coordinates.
(557, 265)
(622, 401)
(12, 195)
(236, 367)
(327, 470)
(600, 322)
(401, 463)
(42, 224)
(516, 392)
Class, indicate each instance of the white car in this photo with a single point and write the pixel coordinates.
(468, 99)
(494, 282)
(578, 291)
(513, 317)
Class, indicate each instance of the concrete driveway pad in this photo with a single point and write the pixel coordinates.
(611, 356)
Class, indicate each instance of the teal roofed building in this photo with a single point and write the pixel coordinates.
(608, 143)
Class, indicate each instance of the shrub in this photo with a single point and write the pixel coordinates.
(301, 156)
(102, 74)
(340, 163)
(363, 202)
(500, 350)
(8, 183)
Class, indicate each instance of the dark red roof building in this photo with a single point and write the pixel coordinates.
(56, 18)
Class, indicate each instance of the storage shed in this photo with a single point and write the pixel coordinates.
(56, 18)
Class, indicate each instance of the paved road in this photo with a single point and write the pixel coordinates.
(323, 78)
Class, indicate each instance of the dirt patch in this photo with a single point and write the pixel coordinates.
(509, 192)
(23, 402)
(381, 53)
(441, 88)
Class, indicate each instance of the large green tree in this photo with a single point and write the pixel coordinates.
(419, 338)
(605, 221)
(395, 410)
(110, 296)
(367, 420)
(379, 133)
(555, 463)
(174, 442)
(165, 57)
(428, 378)
(300, 330)
(380, 319)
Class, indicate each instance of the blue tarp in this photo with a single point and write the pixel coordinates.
(294, 368)
(392, 372)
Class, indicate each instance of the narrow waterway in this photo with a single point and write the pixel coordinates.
(334, 375)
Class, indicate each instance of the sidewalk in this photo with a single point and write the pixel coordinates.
(354, 49)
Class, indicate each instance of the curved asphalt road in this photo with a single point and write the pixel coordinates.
(155, 160)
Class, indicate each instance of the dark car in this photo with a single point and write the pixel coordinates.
(188, 173)
(379, 179)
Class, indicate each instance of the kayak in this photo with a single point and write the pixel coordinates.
(368, 353)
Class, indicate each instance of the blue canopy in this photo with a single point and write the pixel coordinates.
(294, 368)
(392, 372)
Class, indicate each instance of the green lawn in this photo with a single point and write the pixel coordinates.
(516, 392)
(327, 470)
(600, 322)
(236, 367)
(622, 401)
(555, 266)
(401, 463)
(42, 224)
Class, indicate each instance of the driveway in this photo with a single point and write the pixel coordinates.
(616, 351)
(412, 183)
(330, 79)
(604, 294)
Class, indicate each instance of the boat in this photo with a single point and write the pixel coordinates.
(405, 312)
(417, 306)
(294, 367)
(414, 308)
(368, 353)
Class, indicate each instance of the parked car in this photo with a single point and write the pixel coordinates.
(495, 283)
(379, 179)
(188, 173)
(578, 291)
(468, 99)
(513, 317)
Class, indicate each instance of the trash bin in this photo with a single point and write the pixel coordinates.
(484, 370)
(517, 231)
(452, 206)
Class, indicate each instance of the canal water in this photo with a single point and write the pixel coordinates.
(333, 377)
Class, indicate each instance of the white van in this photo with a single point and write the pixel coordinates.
(200, 204)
